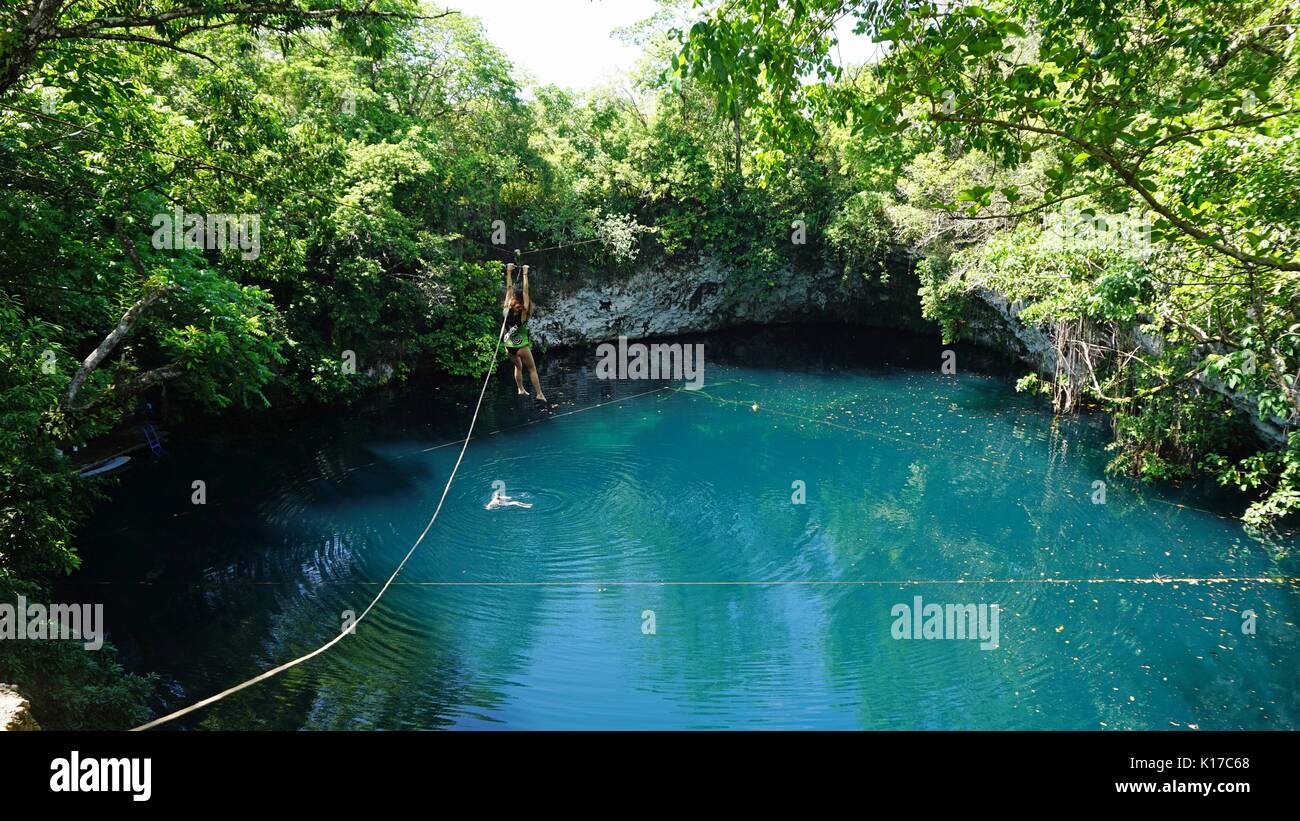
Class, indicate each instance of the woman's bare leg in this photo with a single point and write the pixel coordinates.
(519, 373)
(526, 355)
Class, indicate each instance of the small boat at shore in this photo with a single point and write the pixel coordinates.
(106, 466)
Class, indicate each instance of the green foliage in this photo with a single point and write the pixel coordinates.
(40, 498)
(376, 152)
(1061, 275)
(945, 299)
(1124, 173)
(68, 686)
(1275, 475)
(1168, 436)
(861, 234)
(1126, 169)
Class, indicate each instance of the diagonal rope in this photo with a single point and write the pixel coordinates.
(343, 471)
(1046, 580)
(274, 671)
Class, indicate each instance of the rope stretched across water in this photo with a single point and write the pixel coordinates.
(352, 627)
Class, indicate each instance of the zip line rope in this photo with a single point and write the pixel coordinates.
(703, 394)
(202, 164)
(352, 627)
(1045, 580)
(469, 434)
(547, 418)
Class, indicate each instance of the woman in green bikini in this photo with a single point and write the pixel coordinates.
(518, 308)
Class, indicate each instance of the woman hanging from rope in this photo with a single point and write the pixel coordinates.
(518, 307)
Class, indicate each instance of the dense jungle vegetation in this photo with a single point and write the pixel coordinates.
(1126, 174)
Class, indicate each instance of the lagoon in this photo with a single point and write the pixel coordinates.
(767, 612)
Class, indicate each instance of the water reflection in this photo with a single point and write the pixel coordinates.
(767, 613)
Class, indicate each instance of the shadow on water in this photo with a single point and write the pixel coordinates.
(664, 576)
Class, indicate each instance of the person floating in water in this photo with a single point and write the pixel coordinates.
(518, 307)
(500, 499)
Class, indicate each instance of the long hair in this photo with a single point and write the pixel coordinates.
(515, 303)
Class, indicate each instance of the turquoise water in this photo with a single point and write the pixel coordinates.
(766, 613)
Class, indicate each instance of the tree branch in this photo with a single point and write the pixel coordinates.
(237, 10)
(153, 41)
(1030, 211)
(1131, 180)
(139, 382)
(124, 325)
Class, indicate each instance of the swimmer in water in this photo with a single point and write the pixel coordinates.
(499, 500)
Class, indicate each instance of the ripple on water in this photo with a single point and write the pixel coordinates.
(537, 617)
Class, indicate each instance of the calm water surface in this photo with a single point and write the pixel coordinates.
(766, 613)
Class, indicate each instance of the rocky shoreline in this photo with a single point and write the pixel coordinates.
(671, 299)
(15, 711)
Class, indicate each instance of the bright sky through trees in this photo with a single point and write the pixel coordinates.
(569, 42)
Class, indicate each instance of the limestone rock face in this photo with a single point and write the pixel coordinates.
(1002, 328)
(668, 300)
(664, 299)
(997, 324)
(15, 712)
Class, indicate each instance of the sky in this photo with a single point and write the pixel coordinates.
(569, 42)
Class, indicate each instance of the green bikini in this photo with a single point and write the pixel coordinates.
(516, 332)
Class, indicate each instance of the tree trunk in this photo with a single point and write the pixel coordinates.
(136, 384)
(106, 347)
(735, 124)
(34, 28)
